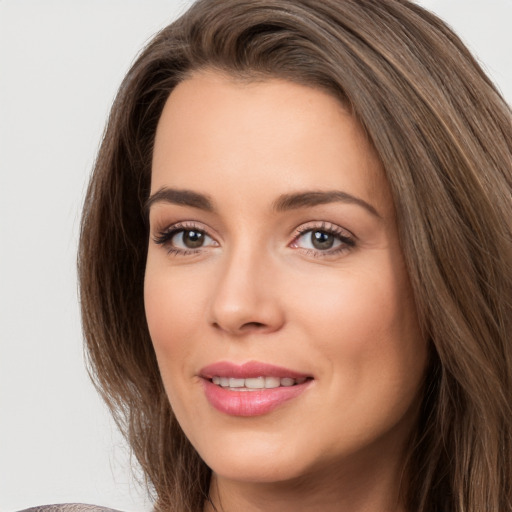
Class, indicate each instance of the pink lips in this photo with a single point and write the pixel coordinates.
(250, 403)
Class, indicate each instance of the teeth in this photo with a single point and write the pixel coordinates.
(236, 383)
(272, 382)
(255, 383)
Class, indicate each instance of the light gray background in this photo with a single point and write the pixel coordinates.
(61, 62)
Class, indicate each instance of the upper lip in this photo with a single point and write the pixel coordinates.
(248, 370)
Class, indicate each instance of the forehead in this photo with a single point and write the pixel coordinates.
(283, 135)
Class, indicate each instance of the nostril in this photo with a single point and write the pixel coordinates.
(252, 325)
(246, 327)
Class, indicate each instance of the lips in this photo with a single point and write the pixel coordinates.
(251, 389)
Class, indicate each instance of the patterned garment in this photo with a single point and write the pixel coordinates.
(69, 507)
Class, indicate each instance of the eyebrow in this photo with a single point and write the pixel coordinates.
(179, 197)
(315, 198)
(283, 203)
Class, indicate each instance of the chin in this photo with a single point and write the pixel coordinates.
(259, 470)
(256, 460)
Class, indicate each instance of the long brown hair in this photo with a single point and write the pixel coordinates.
(444, 136)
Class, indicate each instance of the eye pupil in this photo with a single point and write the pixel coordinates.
(193, 239)
(322, 240)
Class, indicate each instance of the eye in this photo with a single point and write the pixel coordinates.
(316, 239)
(190, 239)
(183, 240)
(326, 239)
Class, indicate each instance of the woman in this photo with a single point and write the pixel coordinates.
(295, 262)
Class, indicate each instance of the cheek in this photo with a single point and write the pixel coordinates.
(174, 306)
(364, 325)
(357, 308)
(173, 311)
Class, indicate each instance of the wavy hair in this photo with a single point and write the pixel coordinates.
(444, 136)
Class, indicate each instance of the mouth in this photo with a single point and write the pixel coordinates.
(256, 383)
(251, 389)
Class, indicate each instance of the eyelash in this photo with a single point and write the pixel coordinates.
(347, 240)
(164, 238)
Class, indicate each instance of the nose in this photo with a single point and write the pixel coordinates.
(246, 298)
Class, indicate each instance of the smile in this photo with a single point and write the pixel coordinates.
(256, 383)
(251, 389)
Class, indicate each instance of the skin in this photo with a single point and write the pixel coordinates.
(258, 290)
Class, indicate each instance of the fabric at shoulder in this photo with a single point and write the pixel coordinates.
(69, 507)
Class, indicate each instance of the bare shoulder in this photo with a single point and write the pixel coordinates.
(69, 507)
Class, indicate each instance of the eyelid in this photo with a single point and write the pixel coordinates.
(164, 236)
(168, 227)
(323, 226)
(346, 238)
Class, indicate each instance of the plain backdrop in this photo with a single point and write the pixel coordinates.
(61, 62)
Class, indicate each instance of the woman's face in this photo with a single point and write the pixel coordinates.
(274, 261)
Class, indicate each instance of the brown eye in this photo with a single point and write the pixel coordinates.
(182, 240)
(191, 239)
(322, 240)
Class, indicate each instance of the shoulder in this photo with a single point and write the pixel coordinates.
(69, 507)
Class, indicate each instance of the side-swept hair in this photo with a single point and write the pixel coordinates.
(444, 136)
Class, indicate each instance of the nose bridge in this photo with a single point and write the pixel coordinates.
(245, 297)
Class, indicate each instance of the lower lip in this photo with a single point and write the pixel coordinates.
(250, 403)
